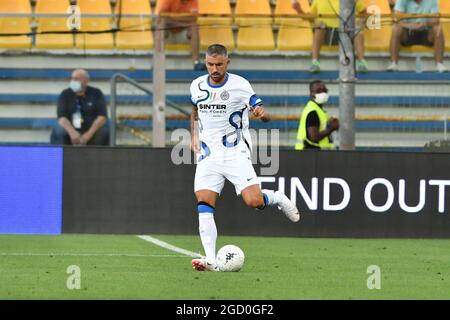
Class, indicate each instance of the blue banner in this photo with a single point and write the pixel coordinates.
(31, 190)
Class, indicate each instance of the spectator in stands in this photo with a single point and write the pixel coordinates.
(326, 29)
(420, 31)
(81, 113)
(315, 127)
(177, 24)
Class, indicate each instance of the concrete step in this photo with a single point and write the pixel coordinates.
(181, 61)
(361, 125)
(16, 87)
(404, 101)
(49, 111)
(43, 111)
(287, 139)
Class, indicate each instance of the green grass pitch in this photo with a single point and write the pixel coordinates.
(126, 267)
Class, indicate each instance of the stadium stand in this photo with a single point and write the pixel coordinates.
(137, 34)
(407, 107)
(255, 25)
(178, 44)
(217, 25)
(15, 25)
(95, 40)
(444, 7)
(52, 24)
(294, 33)
(246, 25)
(378, 40)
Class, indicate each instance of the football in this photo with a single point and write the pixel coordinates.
(230, 258)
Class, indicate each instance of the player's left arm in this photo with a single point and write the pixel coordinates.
(260, 113)
(257, 108)
(256, 105)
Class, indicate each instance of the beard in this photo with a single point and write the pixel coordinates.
(217, 77)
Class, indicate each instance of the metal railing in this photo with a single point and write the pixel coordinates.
(113, 103)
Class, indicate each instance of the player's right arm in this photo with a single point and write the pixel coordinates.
(195, 141)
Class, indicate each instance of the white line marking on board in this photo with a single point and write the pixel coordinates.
(168, 246)
(91, 254)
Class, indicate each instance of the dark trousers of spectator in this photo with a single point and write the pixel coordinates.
(60, 136)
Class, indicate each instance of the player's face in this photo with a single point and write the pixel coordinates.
(217, 68)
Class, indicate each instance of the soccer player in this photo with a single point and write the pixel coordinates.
(220, 136)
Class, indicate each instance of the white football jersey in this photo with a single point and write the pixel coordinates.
(223, 116)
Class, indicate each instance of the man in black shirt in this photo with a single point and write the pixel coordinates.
(82, 114)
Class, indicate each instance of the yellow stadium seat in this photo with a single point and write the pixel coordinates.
(136, 34)
(382, 4)
(444, 7)
(49, 24)
(216, 30)
(253, 7)
(294, 34)
(445, 22)
(178, 46)
(15, 6)
(95, 40)
(299, 37)
(284, 8)
(446, 29)
(214, 7)
(255, 33)
(378, 40)
(133, 7)
(9, 25)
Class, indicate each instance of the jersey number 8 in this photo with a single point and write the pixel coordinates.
(236, 122)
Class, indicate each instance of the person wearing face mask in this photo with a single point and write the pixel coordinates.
(315, 127)
(81, 113)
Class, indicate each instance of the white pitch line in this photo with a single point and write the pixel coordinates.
(90, 254)
(168, 246)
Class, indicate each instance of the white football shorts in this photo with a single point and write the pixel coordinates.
(211, 174)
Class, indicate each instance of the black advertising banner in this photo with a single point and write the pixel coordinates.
(339, 194)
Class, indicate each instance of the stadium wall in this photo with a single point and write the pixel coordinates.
(46, 190)
(340, 194)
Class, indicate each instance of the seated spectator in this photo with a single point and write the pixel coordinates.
(177, 26)
(81, 114)
(420, 31)
(326, 29)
